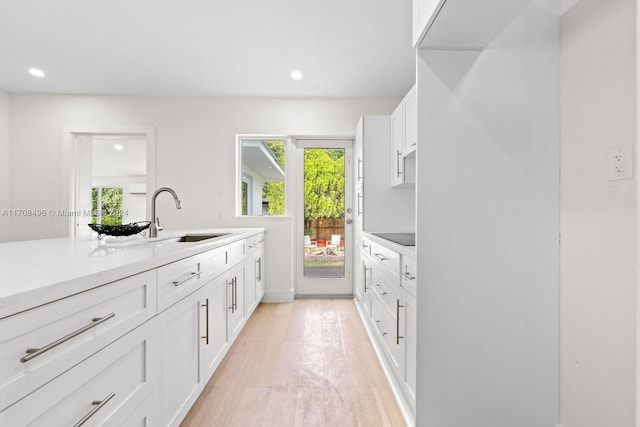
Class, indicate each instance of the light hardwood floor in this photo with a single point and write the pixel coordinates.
(306, 363)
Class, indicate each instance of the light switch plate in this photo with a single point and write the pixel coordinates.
(620, 162)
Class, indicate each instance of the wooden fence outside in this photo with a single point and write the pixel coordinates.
(323, 228)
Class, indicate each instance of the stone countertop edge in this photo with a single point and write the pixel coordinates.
(401, 249)
(24, 289)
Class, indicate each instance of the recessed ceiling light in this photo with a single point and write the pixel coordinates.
(296, 74)
(118, 147)
(35, 72)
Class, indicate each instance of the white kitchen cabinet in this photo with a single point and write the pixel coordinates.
(39, 344)
(254, 282)
(404, 141)
(378, 206)
(213, 326)
(409, 324)
(180, 353)
(385, 293)
(235, 301)
(114, 387)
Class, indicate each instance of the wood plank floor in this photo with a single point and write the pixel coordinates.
(306, 363)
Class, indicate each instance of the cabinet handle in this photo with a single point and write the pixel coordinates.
(358, 174)
(383, 333)
(381, 290)
(359, 204)
(98, 405)
(259, 263)
(414, 144)
(365, 276)
(232, 296)
(206, 322)
(408, 275)
(398, 155)
(235, 294)
(35, 352)
(381, 257)
(398, 307)
(186, 279)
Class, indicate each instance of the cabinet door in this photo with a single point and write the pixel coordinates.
(181, 346)
(235, 301)
(397, 146)
(213, 332)
(251, 272)
(259, 268)
(410, 334)
(411, 122)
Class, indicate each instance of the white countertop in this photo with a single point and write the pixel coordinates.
(401, 249)
(36, 272)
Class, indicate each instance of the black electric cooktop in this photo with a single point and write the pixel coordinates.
(404, 239)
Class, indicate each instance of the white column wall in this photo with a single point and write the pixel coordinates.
(598, 80)
(487, 230)
(5, 202)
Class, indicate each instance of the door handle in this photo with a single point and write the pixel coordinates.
(349, 220)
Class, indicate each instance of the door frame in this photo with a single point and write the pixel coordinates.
(71, 169)
(345, 289)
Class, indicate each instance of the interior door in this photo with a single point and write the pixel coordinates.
(324, 215)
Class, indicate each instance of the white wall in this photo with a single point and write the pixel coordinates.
(4, 163)
(598, 216)
(195, 156)
(488, 223)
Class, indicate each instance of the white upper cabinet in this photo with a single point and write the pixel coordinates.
(461, 24)
(404, 141)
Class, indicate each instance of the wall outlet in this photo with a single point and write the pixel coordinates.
(220, 216)
(620, 164)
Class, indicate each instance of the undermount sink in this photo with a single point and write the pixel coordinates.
(189, 238)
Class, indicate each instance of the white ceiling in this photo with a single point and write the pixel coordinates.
(207, 47)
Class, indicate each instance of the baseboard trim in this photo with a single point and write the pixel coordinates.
(278, 295)
(321, 296)
(403, 404)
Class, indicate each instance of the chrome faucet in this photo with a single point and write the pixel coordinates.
(153, 228)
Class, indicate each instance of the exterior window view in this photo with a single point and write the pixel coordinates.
(263, 176)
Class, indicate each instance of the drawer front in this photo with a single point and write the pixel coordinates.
(107, 388)
(365, 246)
(68, 331)
(409, 274)
(181, 278)
(386, 257)
(386, 328)
(255, 243)
(215, 262)
(386, 286)
(238, 251)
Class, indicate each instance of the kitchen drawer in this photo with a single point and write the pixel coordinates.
(181, 278)
(237, 251)
(409, 274)
(215, 262)
(386, 286)
(112, 384)
(365, 246)
(387, 329)
(90, 320)
(386, 257)
(256, 243)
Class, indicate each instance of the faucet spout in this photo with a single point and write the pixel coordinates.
(153, 228)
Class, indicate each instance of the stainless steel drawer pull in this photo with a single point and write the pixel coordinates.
(233, 295)
(381, 290)
(32, 353)
(398, 307)
(398, 156)
(98, 405)
(383, 333)
(381, 257)
(189, 277)
(409, 276)
(206, 337)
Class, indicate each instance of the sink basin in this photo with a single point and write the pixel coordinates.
(198, 237)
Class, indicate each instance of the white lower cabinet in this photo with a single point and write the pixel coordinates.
(214, 324)
(114, 387)
(235, 301)
(385, 292)
(180, 350)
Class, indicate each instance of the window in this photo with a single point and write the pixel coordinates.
(106, 205)
(262, 163)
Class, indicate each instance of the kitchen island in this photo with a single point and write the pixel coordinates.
(124, 333)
